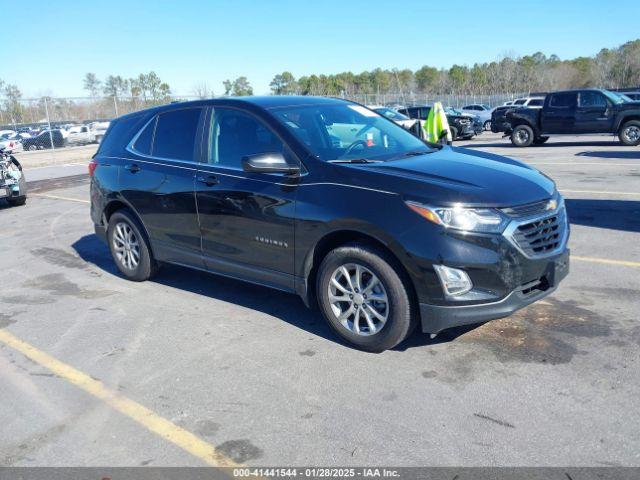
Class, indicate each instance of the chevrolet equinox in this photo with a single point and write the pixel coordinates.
(327, 199)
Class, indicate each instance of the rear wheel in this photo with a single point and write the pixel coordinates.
(630, 133)
(364, 298)
(129, 247)
(522, 136)
(487, 125)
(32, 148)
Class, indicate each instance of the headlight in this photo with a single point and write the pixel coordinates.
(480, 220)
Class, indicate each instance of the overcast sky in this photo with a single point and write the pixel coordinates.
(52, 44)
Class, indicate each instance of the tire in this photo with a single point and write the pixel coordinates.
(99, 140)
(124, 229)
(17, 201)
(540, 140)
(454, 133)
(379, 275)
(630, 133)
(522, 136)
(487, 126)
(32, 148)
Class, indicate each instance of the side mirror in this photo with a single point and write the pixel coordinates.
(268, 163)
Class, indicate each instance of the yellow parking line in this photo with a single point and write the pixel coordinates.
(135, 411)
(624, 263)
(56, 197)
(597, 192)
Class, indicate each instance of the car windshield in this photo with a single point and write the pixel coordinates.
(391, 114)
(616, 97)
(348, 132)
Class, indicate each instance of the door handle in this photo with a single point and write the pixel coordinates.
(132, 168)
(209, 180)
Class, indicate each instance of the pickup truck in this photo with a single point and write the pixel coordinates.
(576, 112)
(85, 134)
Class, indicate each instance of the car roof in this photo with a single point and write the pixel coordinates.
(266, 102)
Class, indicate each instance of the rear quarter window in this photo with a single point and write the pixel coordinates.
(175, 135)
(120, 133)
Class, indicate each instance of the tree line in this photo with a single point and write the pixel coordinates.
(610, 68)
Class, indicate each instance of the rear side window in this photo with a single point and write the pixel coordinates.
(143, 142)
(536, 103)
(563, 100)
(175, 134)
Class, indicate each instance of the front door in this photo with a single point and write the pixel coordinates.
(246, 219)
(594, 113)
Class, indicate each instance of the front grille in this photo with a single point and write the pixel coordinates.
(541, 236)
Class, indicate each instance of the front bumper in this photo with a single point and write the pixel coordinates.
(435, 318)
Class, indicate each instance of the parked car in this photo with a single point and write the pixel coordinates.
(576, 112)
(482, 111)
(11, 143)
(394, 115)
(461, 126)
(324, 198)
(44, 140)
(476, 123)
(632, 96)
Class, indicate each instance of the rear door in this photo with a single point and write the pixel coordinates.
(157, 179)
(246, 219)
(594, 113)
(558, 114)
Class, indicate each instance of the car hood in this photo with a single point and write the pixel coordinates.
(630, 105)
(459, 175)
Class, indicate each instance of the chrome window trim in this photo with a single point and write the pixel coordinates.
(508, 232)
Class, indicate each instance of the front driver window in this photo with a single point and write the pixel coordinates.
(234, 135)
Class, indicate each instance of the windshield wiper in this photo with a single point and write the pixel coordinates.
(417, 153)
(354, 160)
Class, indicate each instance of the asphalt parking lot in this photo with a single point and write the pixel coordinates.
(191, 368)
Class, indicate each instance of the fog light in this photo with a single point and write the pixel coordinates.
(454, 282)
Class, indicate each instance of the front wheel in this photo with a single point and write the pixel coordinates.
(630, 133)
(487, 125)
(129, 247)
(17, 201)
(522, 136)
(364, 297)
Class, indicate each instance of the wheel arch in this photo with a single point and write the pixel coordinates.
(334, 239)
(118, 204)
(627, 118)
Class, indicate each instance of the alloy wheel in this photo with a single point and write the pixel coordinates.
(126, 246)
(358, 299)
(632, 133)
(523, 136)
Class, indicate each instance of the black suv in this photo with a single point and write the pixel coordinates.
(576, 112)
(461, 125)
(327, 199)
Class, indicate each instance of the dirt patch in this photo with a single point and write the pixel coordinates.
(239, 450)
(6, 320)
(60, 258)
(539, 333)
(57, 284)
